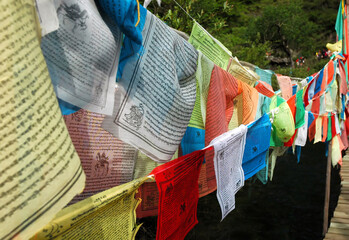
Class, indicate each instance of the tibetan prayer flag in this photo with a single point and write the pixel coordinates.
(312, 129)
(177, 182)
(337, 147)
(106, 215)
(318, 83)
(209, 46)
(257, 144)
(315, 107)
(300, 110)
(265, 75)
(124, 13)
(229, 151)
(203, 77)
(329, 128)
(82, 56)
(242, 73)
(301, 137)
(220, 103)
(106, 160)
(330, 72)
(284, 123)
(318, 130)
(40, 169)
(156, 94)
(264, 89)
(193, 140)
(285, 86)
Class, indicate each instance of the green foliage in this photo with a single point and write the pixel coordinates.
(286, 26)
(251, 28)
(213, 15)
(254, 53)
(307, 69)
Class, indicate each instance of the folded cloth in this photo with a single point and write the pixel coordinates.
(257, 145)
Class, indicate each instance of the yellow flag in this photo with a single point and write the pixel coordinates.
(106, 215)
(40, 169)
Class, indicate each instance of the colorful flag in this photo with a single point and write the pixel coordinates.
(177, 182)
(257, 145)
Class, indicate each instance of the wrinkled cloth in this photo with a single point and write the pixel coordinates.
(285, 86)
(249, 103)
(229, 151)
(177, 182)
(257, 145)
(265, 75)
(220, 103)
(125, 14)
(156, 95)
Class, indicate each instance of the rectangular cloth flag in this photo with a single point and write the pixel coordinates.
(209, 46)
(203, 77)
(301, 136)
(106, 215)
(156, 94)
(194, 137)
(40, 169)
(265, 89)
(106, 160)
(257, 145)
(285, 86)
(229, 150)
(337, 148)
(177, 183)
(300, 110)
(265, 75)
(245, 105)
(82, 56)
(148, 192)
(242, 73)
(249, 103)
(220, 104)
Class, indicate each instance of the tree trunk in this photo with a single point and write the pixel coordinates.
(288, 50)
(291, 58)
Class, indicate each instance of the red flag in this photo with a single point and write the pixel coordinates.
(222, 91)
(344, 138)
(315, 107)
(177, 183)
(333, 126)
(265, 89)
(290, 142)
(343, 86)
(149, 205)
(346, 122)
(312, 128)
(330, 72)
(220, 105)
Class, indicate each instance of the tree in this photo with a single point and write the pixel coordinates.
(286, 26)
(251, 28)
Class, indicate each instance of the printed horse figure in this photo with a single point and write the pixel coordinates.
(102, 165)
(74, 14)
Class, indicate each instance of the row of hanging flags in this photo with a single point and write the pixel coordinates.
(183, 113)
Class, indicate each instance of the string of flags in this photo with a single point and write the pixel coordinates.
(107, 114)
